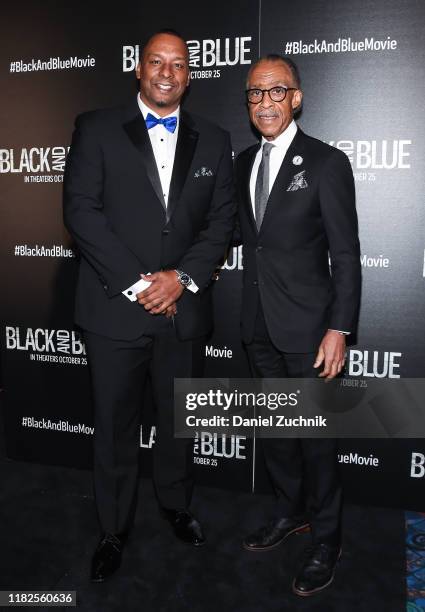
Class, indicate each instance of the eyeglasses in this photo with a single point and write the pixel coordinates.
(276, 94)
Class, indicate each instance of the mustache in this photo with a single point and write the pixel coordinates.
(264, 114)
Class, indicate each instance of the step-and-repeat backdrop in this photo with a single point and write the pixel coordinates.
(362, 67)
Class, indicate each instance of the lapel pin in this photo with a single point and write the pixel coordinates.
(297, 160)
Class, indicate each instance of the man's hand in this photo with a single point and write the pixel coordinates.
(171, 311)
(332, 353)
(162, 293)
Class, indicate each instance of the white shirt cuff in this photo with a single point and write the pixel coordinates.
(131, 292)
(343, 333)
(193, 287)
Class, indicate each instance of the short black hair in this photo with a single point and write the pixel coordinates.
(169, 31)
(275, 57)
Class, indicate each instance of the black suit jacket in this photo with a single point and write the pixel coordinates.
(286, 264)
(115, 211)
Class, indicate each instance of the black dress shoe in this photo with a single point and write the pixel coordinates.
(318, 569)
(185, 526)
(107, 557)
(274, 533)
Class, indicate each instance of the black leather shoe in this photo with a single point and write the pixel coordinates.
(185, 526)
(107, 557)
(274, 533)
(318, 569)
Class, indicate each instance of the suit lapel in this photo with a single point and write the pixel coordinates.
(138, 134)
(283, 178)
(187, 140)
(245, 172)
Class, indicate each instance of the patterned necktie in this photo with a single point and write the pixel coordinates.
(169, 123)
(262, 185)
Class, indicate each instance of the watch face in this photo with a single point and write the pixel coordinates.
(185, 279)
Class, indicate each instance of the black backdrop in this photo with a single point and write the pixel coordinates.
(363, 79)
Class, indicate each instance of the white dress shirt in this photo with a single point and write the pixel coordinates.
(164, 146)
(277, 155)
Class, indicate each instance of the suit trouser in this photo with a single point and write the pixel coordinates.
(119, 369)
(304, 471)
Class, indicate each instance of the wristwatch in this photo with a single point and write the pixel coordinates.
(183, 278)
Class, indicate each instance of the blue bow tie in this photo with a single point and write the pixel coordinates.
(169, 123)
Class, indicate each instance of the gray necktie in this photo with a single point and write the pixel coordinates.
(262, 185)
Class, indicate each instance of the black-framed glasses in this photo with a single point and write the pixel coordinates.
(276, 94)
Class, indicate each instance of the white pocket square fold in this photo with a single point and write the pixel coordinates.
(298, 182)
(204, 171)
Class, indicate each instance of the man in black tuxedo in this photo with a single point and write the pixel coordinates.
(297, 207)
(148, 198)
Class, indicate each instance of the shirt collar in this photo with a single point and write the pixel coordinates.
(144, 109)
(283, 140)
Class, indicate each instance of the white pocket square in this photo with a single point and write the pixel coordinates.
(298, 182)
(203, 172)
